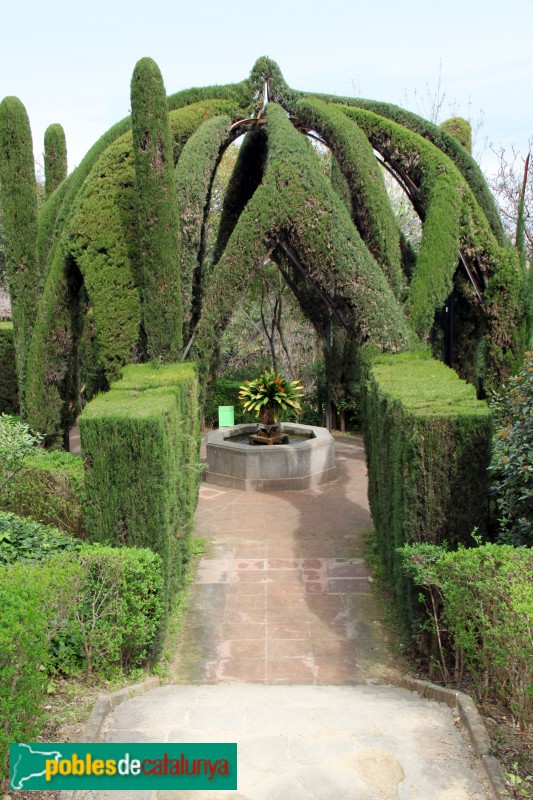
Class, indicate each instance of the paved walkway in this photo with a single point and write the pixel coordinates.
(282, 600)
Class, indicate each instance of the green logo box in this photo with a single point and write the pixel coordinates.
(38, 766)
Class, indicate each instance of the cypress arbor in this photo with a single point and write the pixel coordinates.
(346, 261)
(158, 219)
(55, 158)
(19, 201)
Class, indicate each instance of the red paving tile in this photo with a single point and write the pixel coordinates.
(287, 561)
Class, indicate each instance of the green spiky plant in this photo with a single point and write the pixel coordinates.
(270, 394)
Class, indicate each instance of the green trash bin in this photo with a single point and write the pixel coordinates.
(226, 417)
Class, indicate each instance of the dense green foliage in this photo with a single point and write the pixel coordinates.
(26, 540)
(194, 177)
(245, 178)
(461, 129)
(19, 203)
(17, 442)
(85, 333)
(158, 221)
(117, 609)
(55, 158)
(99, 609)
(480, 605)
(512, 461)
(427, 442)
(454, 224)
(23, 655)
(8, 372)
(449, 145)
(372, 211)
(296, 204)
(49, 488)
(140, 445)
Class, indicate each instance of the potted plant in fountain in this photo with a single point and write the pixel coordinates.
(269, 396)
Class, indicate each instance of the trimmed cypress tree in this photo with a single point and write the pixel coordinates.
(55, 158)
(158, 216)
(19, 201)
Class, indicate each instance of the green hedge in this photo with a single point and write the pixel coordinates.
(140, 444)
(8, 372)
(428, 443)
(480, 603)
(50, 489)
(99, 609)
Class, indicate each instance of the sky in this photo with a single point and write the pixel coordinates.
(71, 62)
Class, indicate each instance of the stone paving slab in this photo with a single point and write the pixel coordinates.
(282, 595)
(307, 742)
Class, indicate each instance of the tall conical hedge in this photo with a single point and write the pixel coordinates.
(55, 158)
(19, 201)
(157, 213)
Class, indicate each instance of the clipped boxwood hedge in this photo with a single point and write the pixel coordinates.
(8, 373)
(428, 443)
(140, 444)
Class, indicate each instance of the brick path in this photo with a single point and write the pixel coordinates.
(282, 594)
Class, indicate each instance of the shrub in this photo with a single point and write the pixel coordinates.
(100, 609)
(25, 540)
(49, 488)
(17, 442)
(34, 602)
(480, 606)
(8, 383)
(427, 442)
(511, 466)
(117, 608)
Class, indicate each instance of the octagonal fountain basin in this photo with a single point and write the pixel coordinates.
(306, 461)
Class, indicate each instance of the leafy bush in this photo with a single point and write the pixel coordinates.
(34, 602)
(512, 466)
(17, 442)
(49, 487)
(116, 611)
(480, 604)
(26, 540)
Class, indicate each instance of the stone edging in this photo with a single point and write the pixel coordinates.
(102, 708)
(473, 722)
